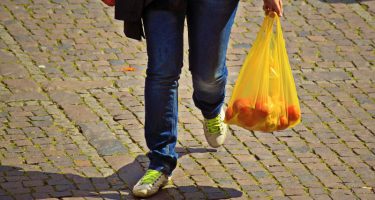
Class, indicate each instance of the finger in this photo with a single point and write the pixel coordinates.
(276, 8)
(267, 10)
(271, 14)
(281, 7)
(265, 7)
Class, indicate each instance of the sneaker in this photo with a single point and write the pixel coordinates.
(150, 183)
(215, 130)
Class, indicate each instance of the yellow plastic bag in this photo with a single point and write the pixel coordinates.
(264, 96)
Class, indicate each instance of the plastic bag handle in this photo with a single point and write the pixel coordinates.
(276, 19)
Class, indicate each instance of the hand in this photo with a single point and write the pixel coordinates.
(273, 6)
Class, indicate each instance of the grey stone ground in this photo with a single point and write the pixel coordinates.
(71, 120)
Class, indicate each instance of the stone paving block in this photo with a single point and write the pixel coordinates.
(12, 70)
(65, 97)
(330, 76)
(80, 113)
(21, 85)
(6, 197)
(109, 147)
(33, 183)
(73, 85)
(24, 96)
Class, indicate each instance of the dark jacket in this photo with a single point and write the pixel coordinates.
(130, 11)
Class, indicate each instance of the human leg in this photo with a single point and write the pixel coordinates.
(164, 38)
(209, 25)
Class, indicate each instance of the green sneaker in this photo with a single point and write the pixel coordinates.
(150, 183)
(215, 130)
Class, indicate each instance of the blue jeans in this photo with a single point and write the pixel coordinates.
(209, 24)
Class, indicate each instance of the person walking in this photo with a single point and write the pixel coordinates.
(209, 25)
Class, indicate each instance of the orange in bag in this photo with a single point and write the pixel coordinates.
(294, 113)
(283, 123)
(241, 105)
(248, 118)
(229, 114)
(264, 96)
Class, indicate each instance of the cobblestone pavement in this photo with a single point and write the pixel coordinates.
(71, 118)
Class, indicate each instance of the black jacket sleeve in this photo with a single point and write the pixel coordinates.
(130, 11)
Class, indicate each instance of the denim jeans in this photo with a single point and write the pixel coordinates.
(209, 24)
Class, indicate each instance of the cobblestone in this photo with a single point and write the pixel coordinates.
(71, 121)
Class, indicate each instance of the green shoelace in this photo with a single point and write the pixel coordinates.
(151, 176)
(213, 125)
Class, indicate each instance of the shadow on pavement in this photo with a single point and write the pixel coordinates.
(15, 182)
